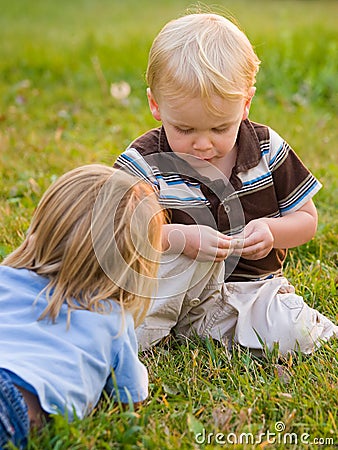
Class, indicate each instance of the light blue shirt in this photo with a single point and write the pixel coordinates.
(67, 368)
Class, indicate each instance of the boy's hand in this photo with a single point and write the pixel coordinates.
(198, 242)
(291, 230)
(258, 240)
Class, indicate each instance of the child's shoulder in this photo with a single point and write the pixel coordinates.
(263, 132)
(255, 130)
(19, 288)
(10, 275)
(148, 142)
(255, 134)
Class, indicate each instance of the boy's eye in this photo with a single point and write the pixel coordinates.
(220, 130)
(184, 130)
(191, 130)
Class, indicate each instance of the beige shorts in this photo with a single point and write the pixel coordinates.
(193, 299)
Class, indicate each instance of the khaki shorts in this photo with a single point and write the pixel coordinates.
(193, 299)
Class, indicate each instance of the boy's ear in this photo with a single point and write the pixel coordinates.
(247, 104)
(153, 106)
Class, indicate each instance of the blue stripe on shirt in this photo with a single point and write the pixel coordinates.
(254, 180)
(296, 202)
(131, 160)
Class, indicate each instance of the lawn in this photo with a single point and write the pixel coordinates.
(57, 63)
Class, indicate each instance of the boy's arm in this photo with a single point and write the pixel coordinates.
(291, 230)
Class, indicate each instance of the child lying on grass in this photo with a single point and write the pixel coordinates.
(70, 296)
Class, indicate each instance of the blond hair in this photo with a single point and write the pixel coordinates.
(201, 55)
(87, 211)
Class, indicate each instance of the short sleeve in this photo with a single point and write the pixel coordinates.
(294, 183)
(132, 162)
(129, 376)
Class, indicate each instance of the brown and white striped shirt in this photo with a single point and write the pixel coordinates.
(268, 180)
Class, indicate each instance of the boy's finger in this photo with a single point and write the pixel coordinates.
(237, 243)
(251, 240)
(224, 243)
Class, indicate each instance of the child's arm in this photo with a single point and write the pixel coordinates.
(260, 236)
(37, 417)
(292, 230)
(128, 381)
(199, 242)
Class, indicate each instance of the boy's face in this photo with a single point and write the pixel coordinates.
(192, 130)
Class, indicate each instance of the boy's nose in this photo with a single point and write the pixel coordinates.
(202, 143)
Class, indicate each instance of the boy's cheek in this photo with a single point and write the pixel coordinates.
(178, 145)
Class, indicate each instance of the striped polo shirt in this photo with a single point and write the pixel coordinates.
(268, 180)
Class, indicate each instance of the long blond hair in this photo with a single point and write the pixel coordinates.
(201, 55)
(96, 235)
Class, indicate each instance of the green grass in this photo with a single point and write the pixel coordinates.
(57, 61)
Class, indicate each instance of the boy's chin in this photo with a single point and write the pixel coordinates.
(194, 161)
(203, 166)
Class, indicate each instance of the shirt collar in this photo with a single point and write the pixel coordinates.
(248, 147)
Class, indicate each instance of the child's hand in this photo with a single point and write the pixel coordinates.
(258, 240)
(198, 242)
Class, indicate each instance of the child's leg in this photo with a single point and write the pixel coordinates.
(208, 315)
(14, 422)
(183, 285)
(271, 310)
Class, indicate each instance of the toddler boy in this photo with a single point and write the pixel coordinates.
(237, 194)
